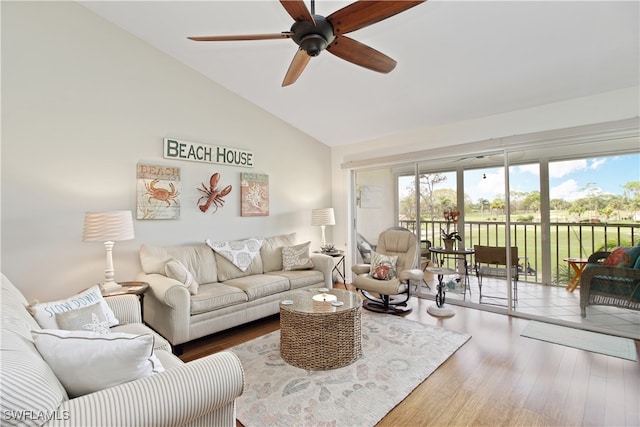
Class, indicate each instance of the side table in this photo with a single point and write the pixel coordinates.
(131, 288)
(577, 265)
(439, 310)
(338, 267)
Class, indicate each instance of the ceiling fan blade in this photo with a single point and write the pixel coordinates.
(361, 54)
(298, 10)
(282, 35)
(297, 66)
(364, 13)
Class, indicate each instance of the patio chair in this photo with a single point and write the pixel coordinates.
(491, 261)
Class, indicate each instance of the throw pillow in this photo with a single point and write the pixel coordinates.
(383, 267)
(174, 269)
(617, 257)
(89, 318)
(296, 257)
(86, 362)
(45, 313)
(241, 253)
(634, 254)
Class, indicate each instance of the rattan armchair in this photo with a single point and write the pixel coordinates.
(607, 285)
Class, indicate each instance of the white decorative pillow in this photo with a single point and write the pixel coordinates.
(296, 257)
(383, 267)
(89, 318)
(45, 313)
(174, 269)
(240, 253)
(86, 362)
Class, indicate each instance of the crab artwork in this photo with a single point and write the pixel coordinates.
(161, 194)
(213, 195)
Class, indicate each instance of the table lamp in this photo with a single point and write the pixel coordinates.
(108, 227)
(322, 218)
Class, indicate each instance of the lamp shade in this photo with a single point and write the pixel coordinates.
(323, 216)
(111, 226)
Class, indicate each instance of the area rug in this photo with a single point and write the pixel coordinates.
(398, 354)
(609, 345)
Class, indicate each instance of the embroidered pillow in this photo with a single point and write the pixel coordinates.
(240, 253)
(89, 318)
(617, 258)
(176, 270)
(85, 362)
(383, 267)
(45, 313)
(296, 257)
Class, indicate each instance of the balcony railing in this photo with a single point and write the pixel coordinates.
(568, 240)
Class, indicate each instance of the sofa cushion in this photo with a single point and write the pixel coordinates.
(213, 296)
(45, 313)
(86, 362)
(228, 271)
(176, 270)
(271, 251)
(198, 259)
(239, 252)
(260, 285)
(296, 257)
(300, 278)
(28, 383)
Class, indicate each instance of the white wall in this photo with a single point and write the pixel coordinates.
(82, 103)
(442, 140)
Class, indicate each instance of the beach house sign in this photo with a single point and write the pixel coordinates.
(196, 152)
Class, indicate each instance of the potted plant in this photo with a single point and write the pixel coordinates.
(449, 237)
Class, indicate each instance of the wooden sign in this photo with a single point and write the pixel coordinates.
(196, 152)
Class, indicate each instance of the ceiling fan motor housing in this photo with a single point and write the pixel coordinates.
(313, 38)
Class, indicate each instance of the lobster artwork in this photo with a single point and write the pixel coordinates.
(213, 195)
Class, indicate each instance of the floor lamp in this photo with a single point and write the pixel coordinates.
(322, 218)
(108, 227)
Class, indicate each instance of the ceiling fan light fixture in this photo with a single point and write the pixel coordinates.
(313, 44)
(313, 37)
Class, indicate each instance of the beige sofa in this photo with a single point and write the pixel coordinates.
(225, 296)
(198, 393)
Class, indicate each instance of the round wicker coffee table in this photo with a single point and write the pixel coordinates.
(320, 329)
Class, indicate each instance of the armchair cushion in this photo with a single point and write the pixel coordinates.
(383, 267)
(617, 257)
(89, 318)
(86, 362)
(45, 313)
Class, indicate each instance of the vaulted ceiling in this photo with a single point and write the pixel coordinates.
(457, 60)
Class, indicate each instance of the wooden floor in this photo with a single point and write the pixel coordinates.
(498, 378)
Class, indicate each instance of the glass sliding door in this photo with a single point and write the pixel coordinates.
(554, 206)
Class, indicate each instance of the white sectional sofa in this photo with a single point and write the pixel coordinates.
(198, 393)
(212, 294)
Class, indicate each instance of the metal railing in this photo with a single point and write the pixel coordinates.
(568, 240)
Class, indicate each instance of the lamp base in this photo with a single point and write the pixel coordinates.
(110, 287)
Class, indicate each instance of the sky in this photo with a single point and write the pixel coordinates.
(569, 180)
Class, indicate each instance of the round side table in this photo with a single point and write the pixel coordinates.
(439, 310)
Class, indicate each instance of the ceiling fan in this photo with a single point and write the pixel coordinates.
(314, 33)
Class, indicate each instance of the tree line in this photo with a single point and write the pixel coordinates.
(595, 205)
